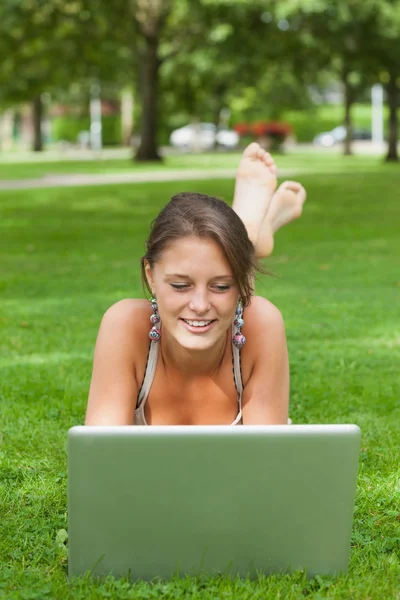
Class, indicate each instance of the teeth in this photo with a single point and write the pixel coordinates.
(197, 323)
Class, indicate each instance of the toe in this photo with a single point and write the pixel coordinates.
(302, 194)
(293, 186)
(268, 159)
(273, 168)
(252, 150)
(261, 153)
(296, 187)
(270, 163)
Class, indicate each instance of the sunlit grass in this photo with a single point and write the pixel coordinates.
(295, 159)
(67, 254)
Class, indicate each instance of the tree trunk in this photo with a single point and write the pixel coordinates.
(392, 97)
(348, 103)
(37, 114)
(148, 88)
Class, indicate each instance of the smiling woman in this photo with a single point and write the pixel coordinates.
(199, 367)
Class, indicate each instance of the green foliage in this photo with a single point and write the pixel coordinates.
(67, 129)
(250, 56)
(67, 254)
(215, 74)
(44, 46)
(307, 124)
(111, 130)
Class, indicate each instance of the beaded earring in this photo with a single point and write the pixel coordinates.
(238, 339)
(155, 332)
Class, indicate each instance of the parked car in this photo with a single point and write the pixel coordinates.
(203, 136)
(338, 134)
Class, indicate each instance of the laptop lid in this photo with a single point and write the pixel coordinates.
(156, 501)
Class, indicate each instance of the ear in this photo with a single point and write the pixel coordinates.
(149, 275)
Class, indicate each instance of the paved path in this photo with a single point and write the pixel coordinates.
(82, 179)
(118, 178)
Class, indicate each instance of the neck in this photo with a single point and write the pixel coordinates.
(192, 362)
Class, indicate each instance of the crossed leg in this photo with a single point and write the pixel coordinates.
(263, 208)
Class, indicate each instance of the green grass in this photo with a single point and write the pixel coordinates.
(319, 160)
(67, 254)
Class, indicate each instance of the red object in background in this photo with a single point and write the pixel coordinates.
(242, 129)
(264, 128)
(271, 128)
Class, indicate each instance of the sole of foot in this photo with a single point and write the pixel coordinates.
(286, 206)
(256, 182)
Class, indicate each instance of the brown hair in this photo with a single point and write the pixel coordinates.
(190, 214)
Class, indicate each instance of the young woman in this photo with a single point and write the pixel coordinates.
(216, 353)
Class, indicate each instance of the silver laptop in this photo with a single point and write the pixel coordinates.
(148, 502)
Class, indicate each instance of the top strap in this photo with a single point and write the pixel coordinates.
(236, 365)
(237, 374)
(149, 374)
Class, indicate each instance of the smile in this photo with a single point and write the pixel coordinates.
(197, 323)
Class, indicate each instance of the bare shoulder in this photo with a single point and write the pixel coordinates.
(265, 365)
(119, 361)
(126, 311)
(264, 331)
(127, 324)
(261, 312)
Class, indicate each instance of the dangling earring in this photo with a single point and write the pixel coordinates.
(155, 332)
(238, 339)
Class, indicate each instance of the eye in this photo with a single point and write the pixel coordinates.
(221, 287)
(180, 287)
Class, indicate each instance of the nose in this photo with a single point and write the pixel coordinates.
(199, 302)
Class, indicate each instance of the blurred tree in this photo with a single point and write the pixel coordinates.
(384, 46)
(245, 53)
(197, 50)
(199, 54)
(151, 32)
(336, 33)
(45, 45)
(360, 40)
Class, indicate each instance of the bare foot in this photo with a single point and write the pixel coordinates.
(255, 184)
(286, 205)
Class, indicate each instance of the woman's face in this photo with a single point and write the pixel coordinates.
(196, 292)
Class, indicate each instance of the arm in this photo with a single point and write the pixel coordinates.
(113, 388)
(266, 394)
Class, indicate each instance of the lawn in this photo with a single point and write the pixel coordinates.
(321, 160)
(67, 254)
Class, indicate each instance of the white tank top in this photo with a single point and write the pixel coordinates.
(150, 370)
